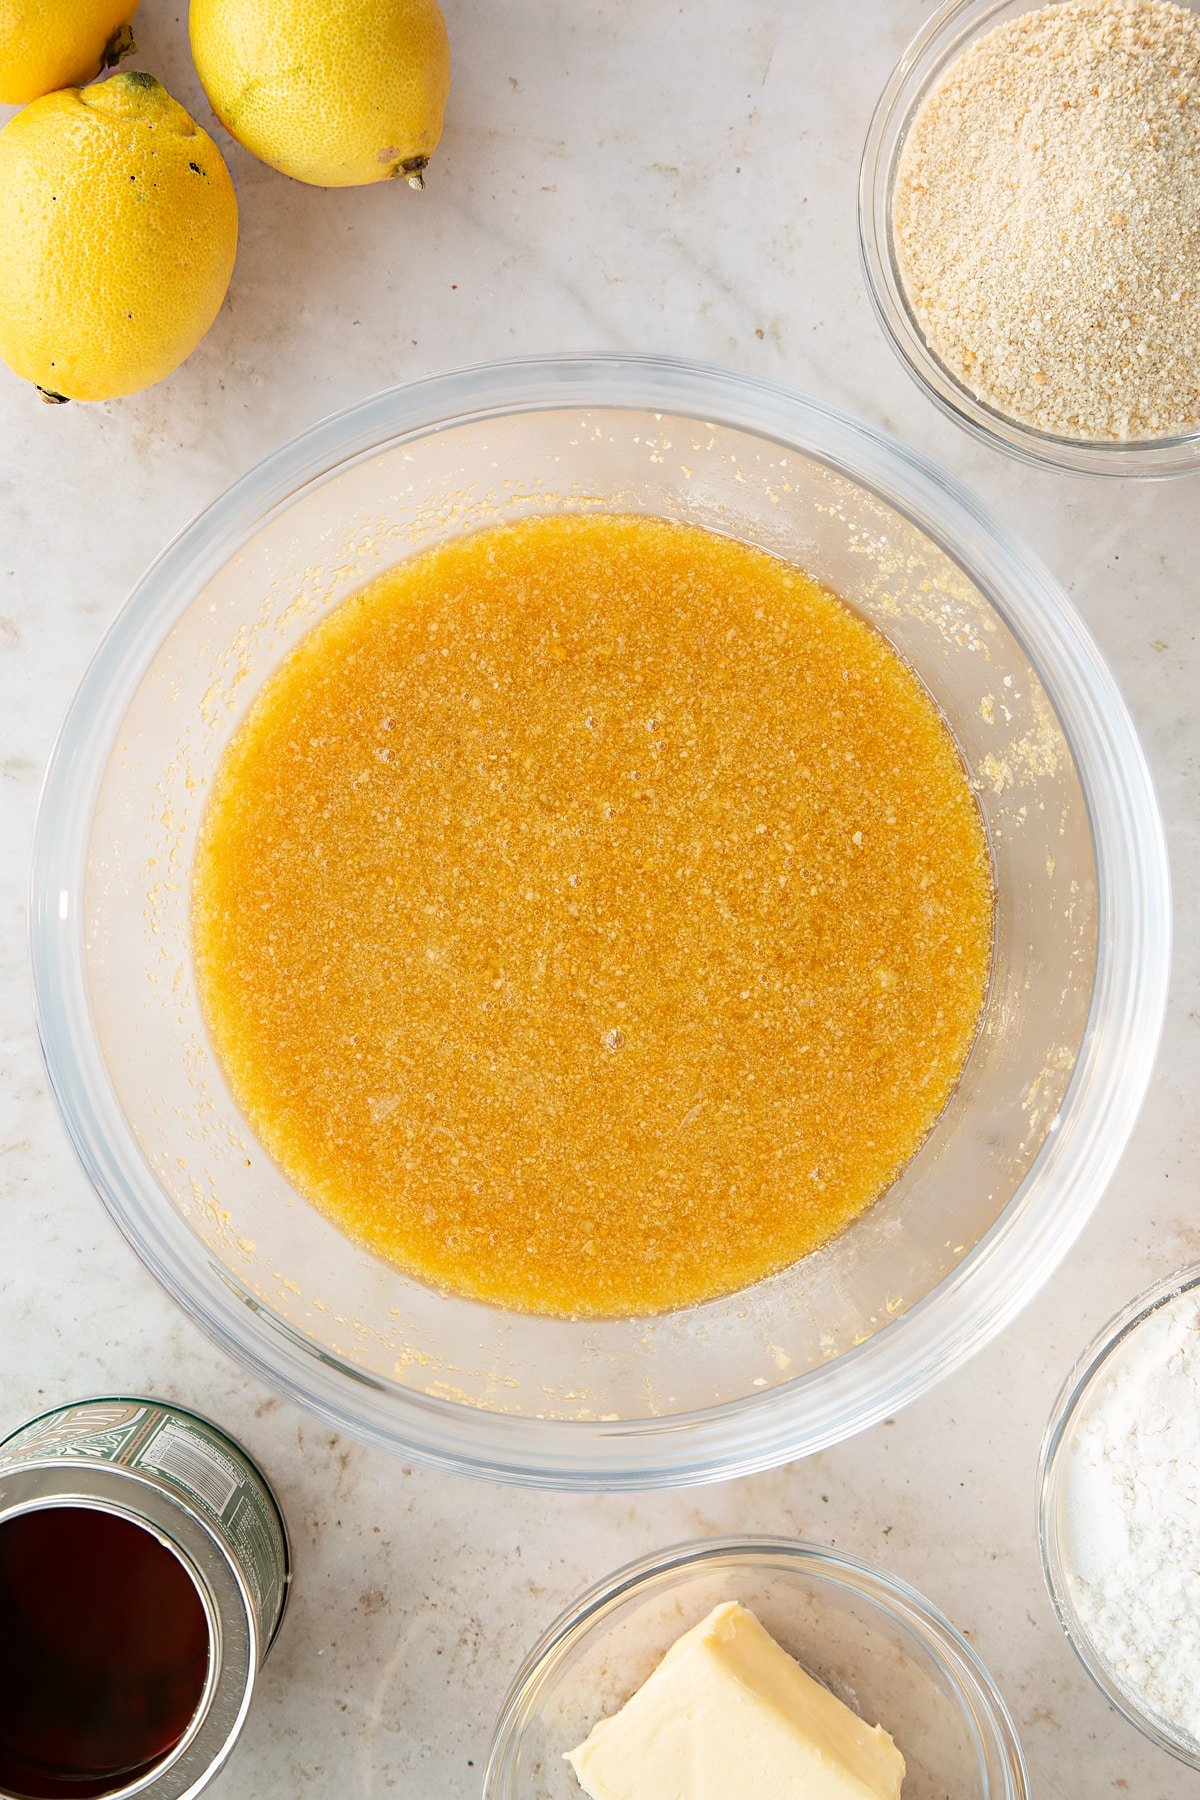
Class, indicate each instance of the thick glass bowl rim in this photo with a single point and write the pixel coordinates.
(940, 40)
(973, 1686)
(870, 1382)
(1064, 1416)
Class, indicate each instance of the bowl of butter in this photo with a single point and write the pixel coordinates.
(756, 1666)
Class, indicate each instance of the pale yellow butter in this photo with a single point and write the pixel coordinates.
(728, 1713)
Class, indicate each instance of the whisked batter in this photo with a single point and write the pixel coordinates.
(593, 915)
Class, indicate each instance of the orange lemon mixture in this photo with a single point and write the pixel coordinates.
(593, 915)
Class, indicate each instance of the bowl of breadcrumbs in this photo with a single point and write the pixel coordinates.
(1029, 215)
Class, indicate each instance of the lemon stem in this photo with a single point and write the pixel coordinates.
(53, 399)
(119, 45)
(412, 169)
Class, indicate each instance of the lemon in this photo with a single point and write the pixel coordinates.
(118, 229)
(334, 92)
(48, 44)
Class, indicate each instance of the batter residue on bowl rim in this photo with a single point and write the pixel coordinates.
(593, 915)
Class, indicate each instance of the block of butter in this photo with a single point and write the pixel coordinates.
(728, 1713)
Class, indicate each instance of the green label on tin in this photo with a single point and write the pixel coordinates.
(99, 1429)
(189, 1455)
(198, 1458)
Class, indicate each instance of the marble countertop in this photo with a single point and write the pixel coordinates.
(581, 200)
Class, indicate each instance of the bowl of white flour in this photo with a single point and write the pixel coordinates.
(1119, 1512)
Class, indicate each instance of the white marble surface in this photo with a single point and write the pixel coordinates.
(622, 175)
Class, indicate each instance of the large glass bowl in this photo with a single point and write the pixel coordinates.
(981, 1215)
(871, 1639)
(941, 40)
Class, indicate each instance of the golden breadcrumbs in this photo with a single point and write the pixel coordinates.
(1046, 219)
(592, 915)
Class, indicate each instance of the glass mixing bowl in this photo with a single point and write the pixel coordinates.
(871, 1639)
(983, 1212)
(941, 41)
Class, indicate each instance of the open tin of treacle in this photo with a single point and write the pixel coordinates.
(144, 1571)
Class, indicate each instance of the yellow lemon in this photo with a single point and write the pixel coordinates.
(118, 230)
(334, 92)
(48, 44)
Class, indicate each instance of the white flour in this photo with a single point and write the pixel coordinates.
(1132, 1515)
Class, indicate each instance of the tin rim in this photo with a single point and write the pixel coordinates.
(185, 1412)
(234, 1649)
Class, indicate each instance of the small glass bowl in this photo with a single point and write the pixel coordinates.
(940, 41)
(870, 1638)
(1069, 1410)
